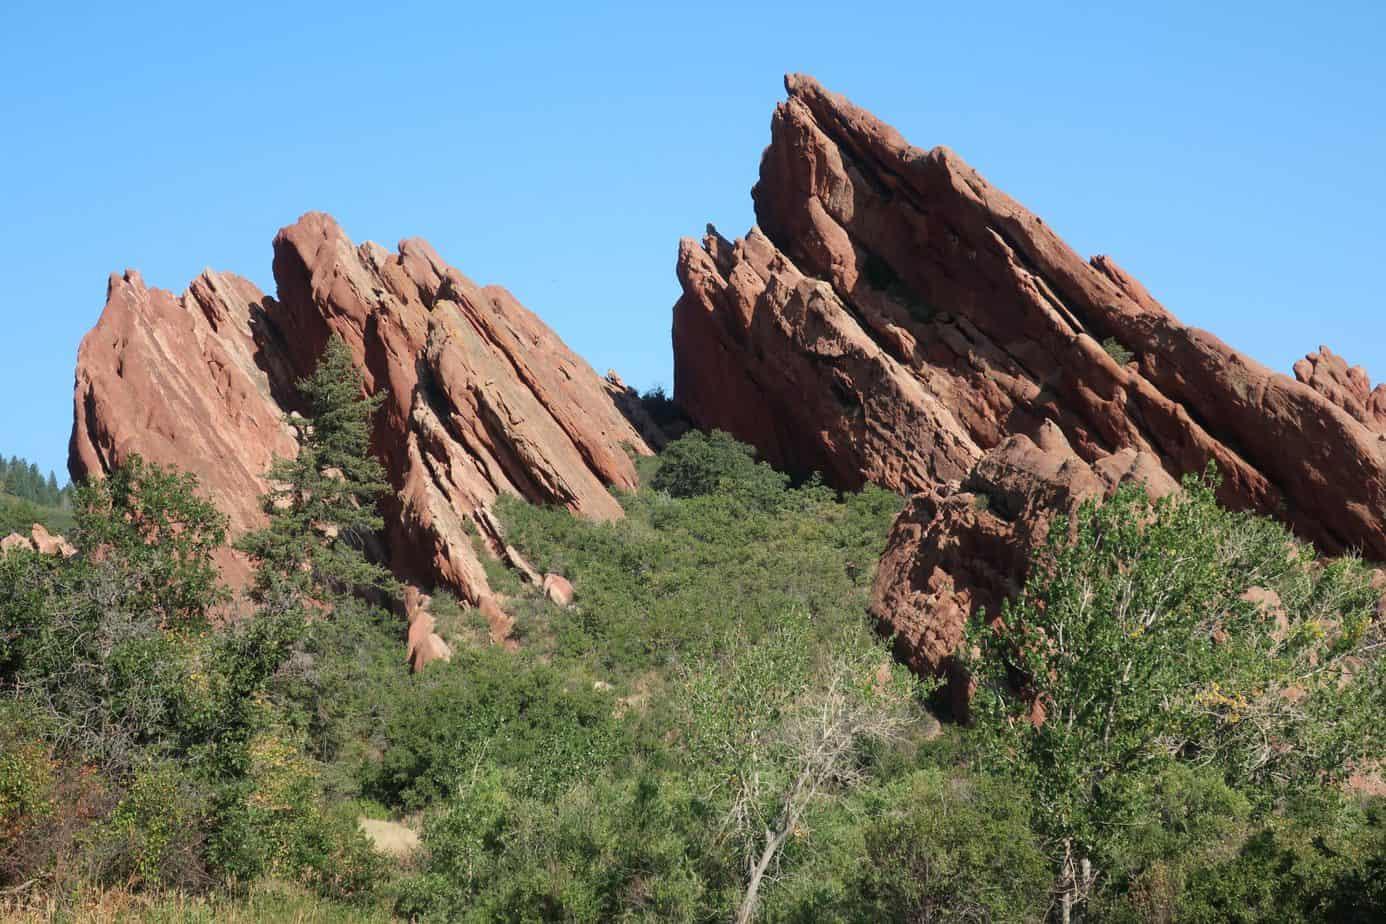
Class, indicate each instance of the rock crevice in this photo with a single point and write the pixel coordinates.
(481, 397)
(895, 318)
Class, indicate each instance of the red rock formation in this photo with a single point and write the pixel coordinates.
(963, 549)
(895, 318)
(1349, 388)
(879, 268)
(483, 399)
(39, 540)
(423, 645)
(186, 381)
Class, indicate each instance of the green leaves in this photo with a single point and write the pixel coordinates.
(1174, 633)
(701, 464)
(322, 503)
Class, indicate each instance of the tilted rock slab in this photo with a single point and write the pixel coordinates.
(893, 318)
(196, 381)
(482, 398)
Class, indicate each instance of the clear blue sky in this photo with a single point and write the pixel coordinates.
(1232, 155)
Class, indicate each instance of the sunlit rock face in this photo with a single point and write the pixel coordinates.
(481, 397)
(894, 318)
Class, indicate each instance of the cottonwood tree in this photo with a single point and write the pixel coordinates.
(1173, 632)
(786, 722)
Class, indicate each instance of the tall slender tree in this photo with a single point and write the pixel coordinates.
(322, 503)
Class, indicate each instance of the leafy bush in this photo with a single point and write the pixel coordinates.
(934, 845)
(1174, 633)
(701, 464)
(1117, 351)
(679, 570)
(487, 707)
(155, 835)
(638, 849)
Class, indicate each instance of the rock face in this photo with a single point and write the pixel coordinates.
(38, 540)
(482, 398)
(963, 549)
(1349, 388)
(197, 381)
(895, 318)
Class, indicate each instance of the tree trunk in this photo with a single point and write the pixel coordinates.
(773, 842)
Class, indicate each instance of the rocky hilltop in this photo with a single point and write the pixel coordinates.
(894, 318)
(482, 398)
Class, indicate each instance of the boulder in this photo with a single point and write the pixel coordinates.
(558, 589)
(38, 540)
(423, 644)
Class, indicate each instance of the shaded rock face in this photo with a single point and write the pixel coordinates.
(894, 318)
(483, 399)
(965, 548)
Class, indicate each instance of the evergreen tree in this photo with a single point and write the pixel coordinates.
(322, 503)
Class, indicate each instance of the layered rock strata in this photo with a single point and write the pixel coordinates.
(481, 398)
(895, 318)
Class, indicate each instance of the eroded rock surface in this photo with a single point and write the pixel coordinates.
(894, 318)
(963, 549)
(195, 381)
(1347, 387)
(483, 398)
(38, 540)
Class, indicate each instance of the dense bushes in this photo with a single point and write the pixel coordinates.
(711, 713)
(1160, 638)
(490, 708)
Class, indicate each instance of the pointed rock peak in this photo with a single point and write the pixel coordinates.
(481, 398)
(897, 319)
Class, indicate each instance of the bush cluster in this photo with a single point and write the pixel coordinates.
(711, 731)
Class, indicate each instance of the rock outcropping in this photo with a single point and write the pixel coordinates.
(894, 318)
(955, 552)
(1347, 387)
(38, 540)
(482, 398)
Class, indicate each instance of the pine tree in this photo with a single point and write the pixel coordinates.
(322, 503)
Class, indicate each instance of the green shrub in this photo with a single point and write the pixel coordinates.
(1319, 861)
(931, 846)
(489, 707)
(700, 464)
(26, 774)
(1119, 353)
(154, 837)
(1141, 639)
(638, 849)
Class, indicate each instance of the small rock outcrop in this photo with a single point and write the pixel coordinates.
(962, 550)
(894, 318)
(481, 397)
(38, 540)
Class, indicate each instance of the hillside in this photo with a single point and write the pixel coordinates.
(958, 580)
